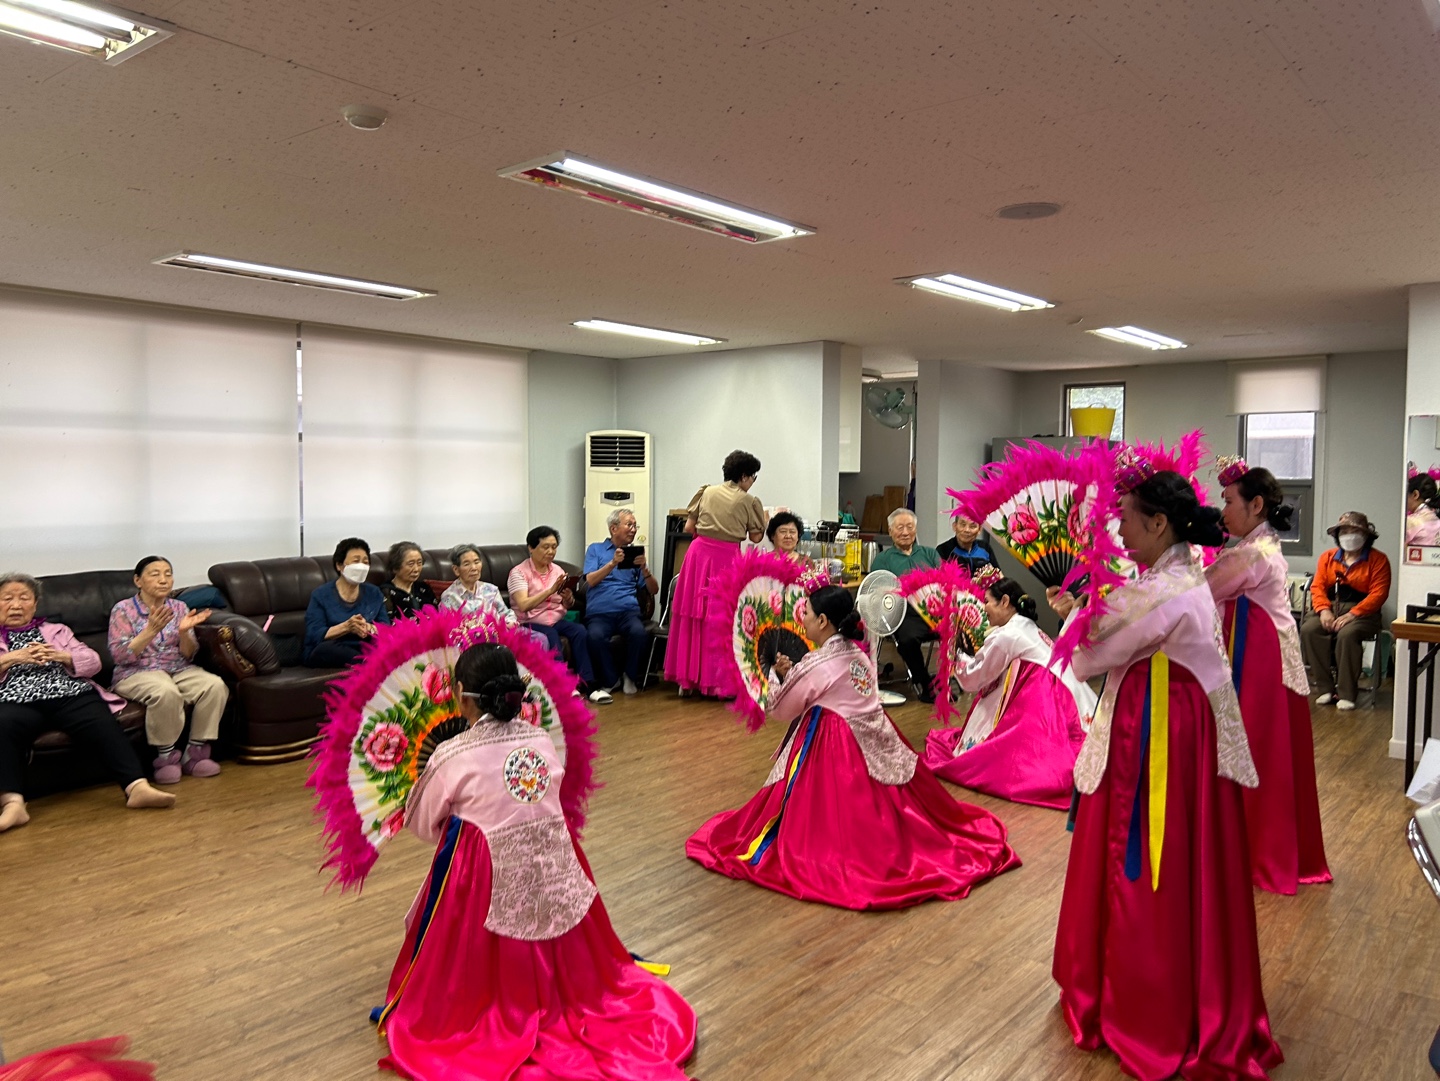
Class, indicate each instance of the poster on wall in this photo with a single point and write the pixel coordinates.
(1422, 491)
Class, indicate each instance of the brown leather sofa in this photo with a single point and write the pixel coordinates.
(280, 703)
(83, 602)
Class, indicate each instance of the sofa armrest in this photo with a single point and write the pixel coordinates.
(253, 651)
(219, 641)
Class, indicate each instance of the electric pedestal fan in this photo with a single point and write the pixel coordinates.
(883, 610)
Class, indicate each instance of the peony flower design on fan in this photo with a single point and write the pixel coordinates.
(1023, 527)
(436, 681)
(385, 747)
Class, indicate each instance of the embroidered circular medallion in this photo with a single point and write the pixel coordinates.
(527, 777)
(860, 677)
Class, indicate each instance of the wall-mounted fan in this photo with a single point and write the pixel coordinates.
(891, 406)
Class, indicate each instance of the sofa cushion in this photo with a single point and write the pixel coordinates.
(291, 694)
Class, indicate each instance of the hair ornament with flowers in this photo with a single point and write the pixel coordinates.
(1232, 468)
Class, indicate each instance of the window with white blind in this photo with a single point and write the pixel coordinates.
(1284, 443)
(408, 439)
(126, 431)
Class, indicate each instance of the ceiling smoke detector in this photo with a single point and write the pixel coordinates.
(364, 117)
(1027, 211)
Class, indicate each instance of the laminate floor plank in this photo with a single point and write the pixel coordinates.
(207, 933)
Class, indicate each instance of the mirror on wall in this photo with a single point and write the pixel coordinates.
(1422, 490)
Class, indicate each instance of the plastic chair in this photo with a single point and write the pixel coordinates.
(660, 634)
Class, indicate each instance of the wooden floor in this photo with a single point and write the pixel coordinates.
(206, 934)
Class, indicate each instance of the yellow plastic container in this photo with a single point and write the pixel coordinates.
(1092, 421)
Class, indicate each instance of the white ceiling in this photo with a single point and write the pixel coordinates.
(1257, 177)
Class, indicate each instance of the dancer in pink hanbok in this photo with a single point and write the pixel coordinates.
(1024, 727)
(849, 815)
(1155, 952)
(510, 968)
(1282, 815)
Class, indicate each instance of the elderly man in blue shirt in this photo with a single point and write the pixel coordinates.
(612, 602)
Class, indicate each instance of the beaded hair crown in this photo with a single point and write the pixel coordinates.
(1232, 468)
(1131, 470)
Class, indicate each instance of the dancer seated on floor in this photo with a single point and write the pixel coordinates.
(849, 815)
(1156, 953)
(1024, 727)
(1248, 582)
(510, 968)
(45, 686)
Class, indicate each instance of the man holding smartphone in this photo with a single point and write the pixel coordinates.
(615, 572)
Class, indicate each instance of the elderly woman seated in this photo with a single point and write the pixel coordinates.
(152, 640)
(406, 592)
(342, 615)
(44, 687)
(538, 591)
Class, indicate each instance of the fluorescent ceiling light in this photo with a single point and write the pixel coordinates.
(107, 33)
(1147, 339)
(952, 285)
(221, 265)
(674, 337)
(645, 196)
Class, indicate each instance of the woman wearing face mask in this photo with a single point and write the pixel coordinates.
(342, 614)
(510, 968)
(152, 640)
(1351, 585)
(1155, 952)
(849, 815)
(1023, 730)
(1282, 816)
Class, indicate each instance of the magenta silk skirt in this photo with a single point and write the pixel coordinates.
(695, 656)
(1168, 978)
(829, 832)
(1030, 755)
(466, 1004)
(1282, 816)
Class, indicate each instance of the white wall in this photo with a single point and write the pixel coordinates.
(569, 396)
(780, 403)
(884, 455)
(1422, 395)
(962, 407)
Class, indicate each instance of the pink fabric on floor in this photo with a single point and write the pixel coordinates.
(1282, 816)
(477, 1006)
(848, 840)
(1030, 756)
(699, 632)
(1167, 978)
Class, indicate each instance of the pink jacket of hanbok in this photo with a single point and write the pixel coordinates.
(1256, 568)
(504, 779)
(1167, 609)
(840, 677)
(1423, 527)
(84, 661)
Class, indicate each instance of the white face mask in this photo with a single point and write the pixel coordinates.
(1352, 542)
(356, 573)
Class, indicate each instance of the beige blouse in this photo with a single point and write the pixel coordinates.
(726, 512)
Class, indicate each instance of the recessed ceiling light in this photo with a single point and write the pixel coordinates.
(1028, 211)
(106, 33)
(1147, 339)
(364, 117)
(674, 337)
(952, 285)
(645, 196)
(221, 265)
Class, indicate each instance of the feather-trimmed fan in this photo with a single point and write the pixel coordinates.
(1035, 503)
(764, 596)
(387, 714)
(952, 604)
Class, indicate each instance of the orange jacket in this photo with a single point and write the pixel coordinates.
(1371, 576)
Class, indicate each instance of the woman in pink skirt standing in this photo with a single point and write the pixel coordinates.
(720, 517)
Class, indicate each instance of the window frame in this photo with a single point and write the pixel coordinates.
(1065, 390)
(1299, 491)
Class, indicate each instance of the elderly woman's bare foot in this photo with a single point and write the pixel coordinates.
(142, 795)
(12, 811)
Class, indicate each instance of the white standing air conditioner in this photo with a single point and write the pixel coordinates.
(617, 474)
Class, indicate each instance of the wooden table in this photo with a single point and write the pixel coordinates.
(1421, 624)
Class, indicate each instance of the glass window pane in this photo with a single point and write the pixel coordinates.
(1283, 443)
(1106, 396)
